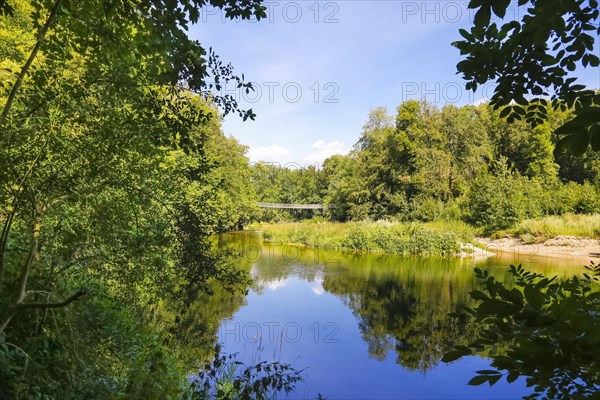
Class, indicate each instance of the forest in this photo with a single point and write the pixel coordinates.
(455, 163)
(115, 177)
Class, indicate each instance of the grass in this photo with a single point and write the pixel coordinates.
(539, 230)
(436, 238)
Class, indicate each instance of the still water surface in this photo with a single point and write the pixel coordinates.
(365, 326)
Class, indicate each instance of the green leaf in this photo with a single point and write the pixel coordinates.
(483, 16)
(512, 376)
(488, 372)
(563, 144)
(515, 296)
(505, 112)
(548, 60)
(478, 380)
(493, 379)
(588, 115)
(499, 7)
(593, 296)
(464, 33)
(535, 298)
(478, 295)
(570, 128)
(580, 143)
(475, 4)
(496, 307)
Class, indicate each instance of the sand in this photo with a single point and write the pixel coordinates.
(583, 249)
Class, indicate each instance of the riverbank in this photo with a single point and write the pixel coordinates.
(557, 237)
(439, 238)
(586, 249)
(563, 227)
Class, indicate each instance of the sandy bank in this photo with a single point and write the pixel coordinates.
(560, 247)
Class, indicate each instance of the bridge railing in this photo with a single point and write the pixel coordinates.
(293, 206)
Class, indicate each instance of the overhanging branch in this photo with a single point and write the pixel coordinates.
(59, 304)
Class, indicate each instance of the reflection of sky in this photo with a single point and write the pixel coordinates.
(316, 284)
(275, 284)
(296, 321)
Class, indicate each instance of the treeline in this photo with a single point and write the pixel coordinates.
(426, 164)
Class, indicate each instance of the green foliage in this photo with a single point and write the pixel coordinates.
(451, 164)
(393, 238)
(572, 198)
(427, 209)
(580, 168)
(150, 35)
(117, 354)
(113, 172)
(567, 225)
(499, 201)
(535, 56)
(225, 378)
(550, 327)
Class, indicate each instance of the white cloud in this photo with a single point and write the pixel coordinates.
(324, 150)
(480, 102)
(273, 153)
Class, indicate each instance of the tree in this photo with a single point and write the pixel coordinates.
(338, 172)
(450, 145)
(534, 57)
(97, 95)
(500, 198)
(384, 160)
(147, 34)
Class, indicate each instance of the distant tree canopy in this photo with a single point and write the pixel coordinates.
(536, 57)
(426, 163)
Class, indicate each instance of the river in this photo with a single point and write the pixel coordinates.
(364, 326)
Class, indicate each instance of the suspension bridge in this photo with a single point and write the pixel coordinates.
(294, 206)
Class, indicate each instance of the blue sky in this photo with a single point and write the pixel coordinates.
(320, 66)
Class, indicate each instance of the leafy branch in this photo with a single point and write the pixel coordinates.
(550, 327)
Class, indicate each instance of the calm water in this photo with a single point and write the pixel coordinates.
(363, 326)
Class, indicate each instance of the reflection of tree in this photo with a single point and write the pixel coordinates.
(387, 310)
(400, 303)
(404, 309)
(195, 323)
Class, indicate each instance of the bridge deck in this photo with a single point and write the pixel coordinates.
(292, 206)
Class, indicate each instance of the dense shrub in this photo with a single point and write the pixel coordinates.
(572, 197)
(497, 202)
(427, 209)
(115, 355)
(389, 237)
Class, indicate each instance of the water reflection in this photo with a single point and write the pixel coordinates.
(366, 326)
